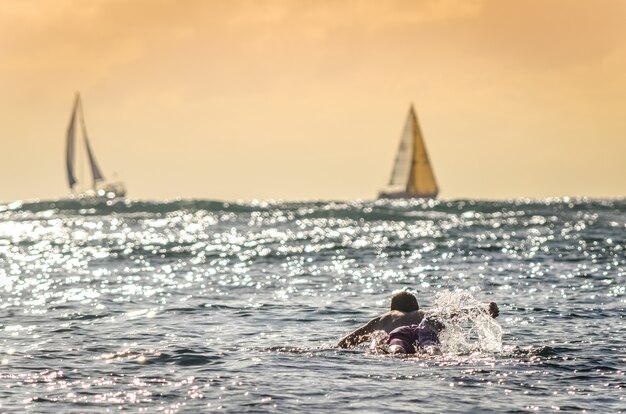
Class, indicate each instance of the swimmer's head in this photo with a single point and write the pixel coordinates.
(404, 301)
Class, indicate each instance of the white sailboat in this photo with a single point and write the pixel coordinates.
(98, 187)
(412, 175)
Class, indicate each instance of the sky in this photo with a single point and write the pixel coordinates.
(305, 100)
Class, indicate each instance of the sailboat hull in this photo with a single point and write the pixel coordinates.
(110, 191)
(404, 195)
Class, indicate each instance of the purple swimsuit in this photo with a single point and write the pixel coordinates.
(425, 334)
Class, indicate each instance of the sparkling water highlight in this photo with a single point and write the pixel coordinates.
(200, 306)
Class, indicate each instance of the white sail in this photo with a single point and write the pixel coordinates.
(404, 159)
(412, 174)
(96, 174)
(108, 190)
(69, 151)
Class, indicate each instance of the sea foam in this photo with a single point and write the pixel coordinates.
(468, 325)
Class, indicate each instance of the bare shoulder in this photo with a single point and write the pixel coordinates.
(394, 319)
(413, 318)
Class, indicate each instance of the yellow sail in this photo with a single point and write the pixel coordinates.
(421, 179)
(412, 175)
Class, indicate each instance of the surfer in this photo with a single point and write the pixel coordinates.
(404, 312)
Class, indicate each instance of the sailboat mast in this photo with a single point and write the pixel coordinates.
(96, 174)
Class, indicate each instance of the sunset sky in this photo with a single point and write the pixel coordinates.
(299, 99)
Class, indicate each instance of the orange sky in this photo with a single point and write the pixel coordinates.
(298, 99)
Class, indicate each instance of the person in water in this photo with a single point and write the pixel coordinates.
(404, 312)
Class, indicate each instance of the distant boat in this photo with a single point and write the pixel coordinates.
(412, 175)
(98, 187)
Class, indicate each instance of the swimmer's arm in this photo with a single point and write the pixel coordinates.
(492, 309)
(359, 335)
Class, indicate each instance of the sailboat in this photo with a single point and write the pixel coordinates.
(80, 187)
(412, 175)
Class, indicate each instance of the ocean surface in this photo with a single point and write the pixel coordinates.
(201, 306)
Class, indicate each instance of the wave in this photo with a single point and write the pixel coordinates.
(414, 209)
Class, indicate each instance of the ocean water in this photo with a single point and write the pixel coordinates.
(201, 306)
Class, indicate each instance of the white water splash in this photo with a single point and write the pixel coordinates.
(378, 342)
(468, 325)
